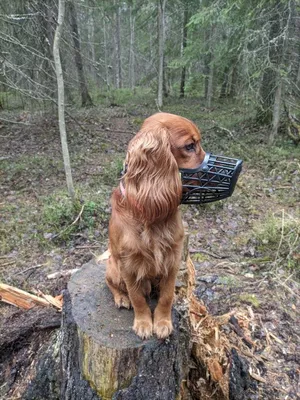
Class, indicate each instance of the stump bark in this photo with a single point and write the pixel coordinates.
(101, 355)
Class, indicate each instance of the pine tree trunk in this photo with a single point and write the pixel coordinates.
(60, 92)
(234, 79)
(211, 68)
(86, 99)
(224, 87)
(184, 43)
(270, 76)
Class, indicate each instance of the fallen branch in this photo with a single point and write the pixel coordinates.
(20, 298)
(61, 274)
(15, 122)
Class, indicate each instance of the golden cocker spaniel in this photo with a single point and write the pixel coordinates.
(145, 229)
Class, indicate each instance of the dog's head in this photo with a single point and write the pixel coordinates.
(165, 143)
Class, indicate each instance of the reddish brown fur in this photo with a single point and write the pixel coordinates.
(145, 230)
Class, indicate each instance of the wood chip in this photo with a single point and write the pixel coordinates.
(257, 377)
(103, 256)
(20, 298)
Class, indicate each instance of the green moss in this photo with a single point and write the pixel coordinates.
(250, 298)
(199, 257)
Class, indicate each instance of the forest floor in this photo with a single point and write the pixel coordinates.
(246, 249)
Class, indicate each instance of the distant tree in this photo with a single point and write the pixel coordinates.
(117, 36)
(86, 99)
(184, 43)
(161, 46)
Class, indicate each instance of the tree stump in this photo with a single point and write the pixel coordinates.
(101, 355)
(102, 358)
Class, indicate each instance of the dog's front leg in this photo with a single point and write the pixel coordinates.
(142, 314)
(162, 315)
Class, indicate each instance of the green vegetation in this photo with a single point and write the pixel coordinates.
(250, 299)
(278, 235)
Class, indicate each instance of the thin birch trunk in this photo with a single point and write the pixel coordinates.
(276, 111)
(118, 49)
(60, 93)
(161, 43)
(106, 53)
(131, 51)
(184, 43)
(91, 40)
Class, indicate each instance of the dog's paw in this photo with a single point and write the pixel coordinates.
(143, 328)
(122, 301)
(163, 328)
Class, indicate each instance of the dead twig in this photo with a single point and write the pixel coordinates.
(88, 247)
(30, 268)
(15, 122)
(257, 377)
(281, 237)
(78, 216)
(7, 263)
(193, 251)
(69, 226)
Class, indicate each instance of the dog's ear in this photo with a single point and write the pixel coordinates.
(152, 181)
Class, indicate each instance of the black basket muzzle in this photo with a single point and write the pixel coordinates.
(213, 180)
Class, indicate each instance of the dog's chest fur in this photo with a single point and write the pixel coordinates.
(153, 250)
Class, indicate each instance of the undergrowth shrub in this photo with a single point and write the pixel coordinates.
(63, 218)
(279, 236)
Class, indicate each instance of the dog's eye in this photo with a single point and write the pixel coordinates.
(190, 147)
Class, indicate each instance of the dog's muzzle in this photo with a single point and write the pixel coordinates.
(213, 180)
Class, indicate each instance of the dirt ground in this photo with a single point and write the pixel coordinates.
(245, 249)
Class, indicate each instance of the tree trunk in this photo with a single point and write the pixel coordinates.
(118, 47)
(210, 68)
(276, 112)
(131, 51)
(161, 44)
(269, 80)
(184, 43)
(279, 84)
(91, 40)
(86, 100)
(234, 79)
(61, 99)
(106, 53)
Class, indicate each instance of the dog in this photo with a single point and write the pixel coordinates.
(145, 230)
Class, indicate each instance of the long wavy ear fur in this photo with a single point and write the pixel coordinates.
(152, 181)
